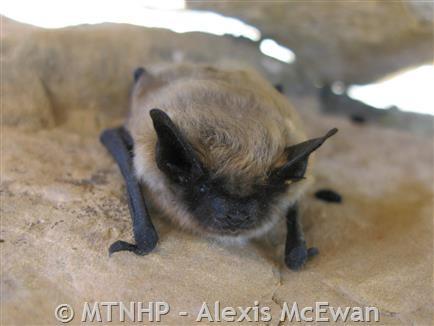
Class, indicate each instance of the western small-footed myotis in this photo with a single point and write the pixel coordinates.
(220, 151)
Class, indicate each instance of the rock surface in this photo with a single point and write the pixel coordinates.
(63, 204)
(355, 42)
(49, 85)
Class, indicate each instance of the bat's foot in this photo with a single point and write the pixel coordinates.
(299, 255)
(144, 248)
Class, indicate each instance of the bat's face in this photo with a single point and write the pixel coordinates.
(208, 198)
(218, 210)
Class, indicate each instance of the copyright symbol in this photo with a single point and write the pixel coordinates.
(64, 313)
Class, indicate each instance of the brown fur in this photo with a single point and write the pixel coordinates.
(235, 120)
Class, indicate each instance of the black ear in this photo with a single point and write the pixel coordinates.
(279, 88)
(298, 156)
(174, 155)
(138, 72)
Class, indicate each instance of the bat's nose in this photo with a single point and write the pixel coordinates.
(237, 217)
(232, 215)
(237, 220)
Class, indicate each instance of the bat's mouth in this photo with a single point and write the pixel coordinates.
(235, 223)
(229, 225)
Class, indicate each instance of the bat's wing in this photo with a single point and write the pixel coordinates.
(120, 145)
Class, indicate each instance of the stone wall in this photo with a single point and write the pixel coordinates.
(350, 41)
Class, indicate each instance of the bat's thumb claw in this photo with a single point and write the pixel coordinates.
(312, 252)
(121, 246)
(125, 246)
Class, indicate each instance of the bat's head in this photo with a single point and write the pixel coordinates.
(215, 207)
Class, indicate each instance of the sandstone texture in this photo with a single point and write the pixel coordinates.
(354, 42)
(63, 199)
(67, 74)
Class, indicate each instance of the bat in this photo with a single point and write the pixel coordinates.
(220, 151)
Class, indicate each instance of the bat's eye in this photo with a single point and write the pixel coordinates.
(203, 189)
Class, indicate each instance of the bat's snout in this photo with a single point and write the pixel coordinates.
(237, 217)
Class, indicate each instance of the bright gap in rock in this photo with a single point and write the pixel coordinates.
(273, 49)
(167, 14)
(411, 90)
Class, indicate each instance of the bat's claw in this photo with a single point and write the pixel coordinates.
(299, 255)
(312, 252)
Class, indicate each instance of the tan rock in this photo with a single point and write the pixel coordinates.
(355, 42)
(64, 74)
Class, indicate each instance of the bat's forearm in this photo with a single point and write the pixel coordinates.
(120, 145)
